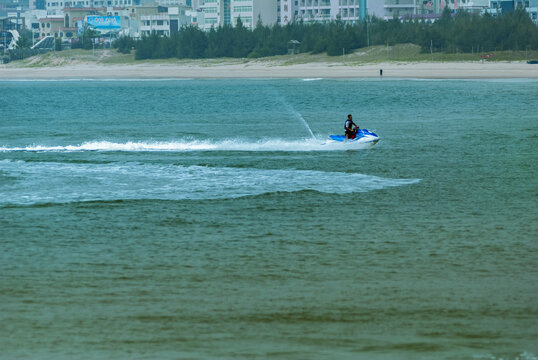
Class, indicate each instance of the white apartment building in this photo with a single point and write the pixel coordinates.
(159, 23)
(319, 10)
(403, 8)
(225, 12)
(349, 10)
(55, 7)
(213, 13)
(170, 2)
(399, 8)
(251, 10)
(164, 22)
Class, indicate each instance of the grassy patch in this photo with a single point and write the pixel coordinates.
(372, 54)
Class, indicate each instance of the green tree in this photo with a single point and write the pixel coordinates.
(124, 44)
(25, 40)
(58, 44)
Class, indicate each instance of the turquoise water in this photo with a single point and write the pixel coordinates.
(211, 219)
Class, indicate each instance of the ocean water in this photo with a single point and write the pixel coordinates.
(211, 219)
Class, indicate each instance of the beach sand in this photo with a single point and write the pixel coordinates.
(260, 69)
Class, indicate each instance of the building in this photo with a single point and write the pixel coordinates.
(250, 11)
(400, 8)
(55, 7)
(74, 15)
(197, 17)
(226, 12)
(213, 13)
(8, 24)
(322, 10)
(51, 26)
(162, 20)
(474, 6)
(500, 7)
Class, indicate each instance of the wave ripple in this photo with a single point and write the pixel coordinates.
(56, 182)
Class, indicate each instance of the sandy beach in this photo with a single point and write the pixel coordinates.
(261, 69)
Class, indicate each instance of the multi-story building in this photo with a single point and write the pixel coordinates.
(51, 26)
(155, 23)
(213, 13)
(354, 10)
(225, 12)
(400, 8)
(499, 7)
(322, 10)
(73, 15)
(531, 7)
(55, 7)
(250, 11)
(162, 20)
(7, 24)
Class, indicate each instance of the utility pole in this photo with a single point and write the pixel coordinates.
(431, 49)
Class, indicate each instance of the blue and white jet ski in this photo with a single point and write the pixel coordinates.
(363, 136)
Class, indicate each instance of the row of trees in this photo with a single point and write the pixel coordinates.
(461, 32)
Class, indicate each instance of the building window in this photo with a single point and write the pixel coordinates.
(242, 8)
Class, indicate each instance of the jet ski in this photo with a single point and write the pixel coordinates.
(362, 136)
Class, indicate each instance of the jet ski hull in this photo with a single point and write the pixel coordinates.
(363, 137)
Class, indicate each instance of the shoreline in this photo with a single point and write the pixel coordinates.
(267, 70)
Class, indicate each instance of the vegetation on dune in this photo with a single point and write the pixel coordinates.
(368, 55)
(452, 33)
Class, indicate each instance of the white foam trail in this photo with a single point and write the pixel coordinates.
(196, 145)
(312, 79)
(56, 182)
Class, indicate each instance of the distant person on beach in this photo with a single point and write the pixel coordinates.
(381, 72)
(350, 127)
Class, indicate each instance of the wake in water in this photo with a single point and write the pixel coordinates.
(29, 183)
(300, 117)
(290, 108)
(193, 145)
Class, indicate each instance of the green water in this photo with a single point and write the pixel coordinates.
(199, 219)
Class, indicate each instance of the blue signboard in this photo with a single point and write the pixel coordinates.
(104, 22)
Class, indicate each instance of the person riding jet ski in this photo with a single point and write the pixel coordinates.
(351, 128)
